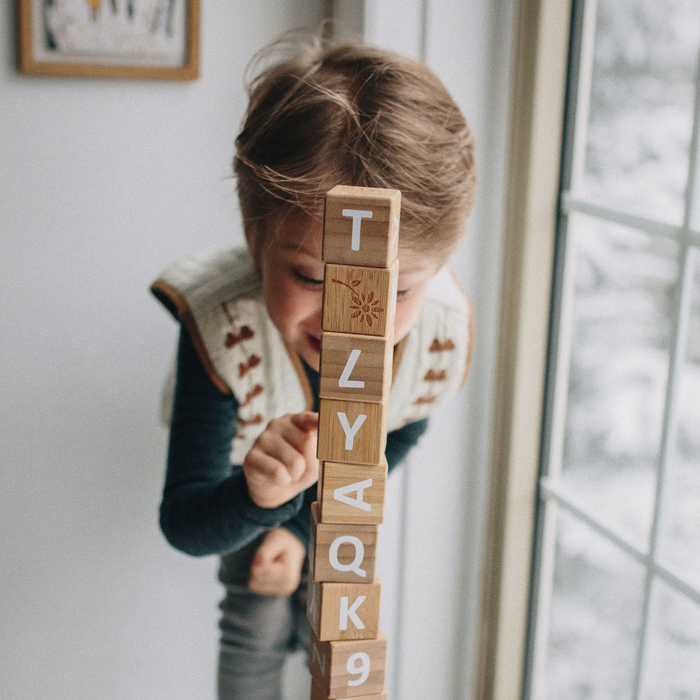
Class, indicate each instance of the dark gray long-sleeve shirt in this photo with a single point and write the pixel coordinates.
(206, 508)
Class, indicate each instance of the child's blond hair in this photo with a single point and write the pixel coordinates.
(354, 115)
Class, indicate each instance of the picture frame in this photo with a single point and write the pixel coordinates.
(141, 39)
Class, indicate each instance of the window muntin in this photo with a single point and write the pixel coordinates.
(641, 106)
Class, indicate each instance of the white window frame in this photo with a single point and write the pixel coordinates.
(539, 93)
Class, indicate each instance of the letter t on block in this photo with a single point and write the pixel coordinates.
(361, 226)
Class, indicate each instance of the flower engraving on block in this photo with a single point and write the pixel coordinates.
(364, 306)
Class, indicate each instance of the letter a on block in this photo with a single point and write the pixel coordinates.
(352, 493)
(341, 494)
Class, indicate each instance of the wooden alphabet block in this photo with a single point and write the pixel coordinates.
(341, 611)
(340, 552)
(361, 226)
(348, 669)
(351, 431)
(355, 367)
(360, 299)
(318, 694)
(351, 493)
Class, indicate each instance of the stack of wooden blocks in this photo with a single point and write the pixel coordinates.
(360, 245)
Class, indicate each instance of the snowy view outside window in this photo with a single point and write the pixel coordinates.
(617, 613)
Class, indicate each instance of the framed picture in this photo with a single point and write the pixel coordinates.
(110, 38)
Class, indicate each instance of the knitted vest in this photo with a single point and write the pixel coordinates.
(217, 296)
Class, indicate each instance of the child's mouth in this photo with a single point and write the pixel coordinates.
(315, 343)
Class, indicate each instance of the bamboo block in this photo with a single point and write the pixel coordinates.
(342, 611)
(352, 493)
(348, 669)
(360, 299)
(318, 694)
(342, 553)
(355, 367)
(351, 431)
(361, 226)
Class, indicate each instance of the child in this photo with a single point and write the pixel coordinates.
(248, 358)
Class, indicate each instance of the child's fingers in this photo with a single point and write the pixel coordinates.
(306, 421)
(276, 567)
(270, 549)
(302, 441)
(263, 468)
(279, 459)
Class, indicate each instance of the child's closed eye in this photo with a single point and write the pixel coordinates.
(307, 280)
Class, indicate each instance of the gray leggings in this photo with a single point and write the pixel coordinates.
(257, 632)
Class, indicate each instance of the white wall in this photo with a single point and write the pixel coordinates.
(101, 185)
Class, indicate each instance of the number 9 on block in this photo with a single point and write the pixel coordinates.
(348, 669)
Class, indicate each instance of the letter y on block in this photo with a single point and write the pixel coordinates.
(350, 432)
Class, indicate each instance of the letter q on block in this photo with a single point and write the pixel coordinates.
(351, 431)
(342, 553)
(361, 226)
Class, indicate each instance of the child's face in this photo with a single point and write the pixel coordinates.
(292, 280)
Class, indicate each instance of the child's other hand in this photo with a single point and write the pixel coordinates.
(282, 461)
(276, 567)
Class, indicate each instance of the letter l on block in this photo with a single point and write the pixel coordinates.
(345, 382)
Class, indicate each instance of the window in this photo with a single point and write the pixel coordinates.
(616, 605)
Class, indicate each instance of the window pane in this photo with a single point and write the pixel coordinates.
(624, 282)
(672, 664)
(595, 617)
(641, 105)
(679, 533)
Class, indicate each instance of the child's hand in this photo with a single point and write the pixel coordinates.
(282, 461)
(276, 567)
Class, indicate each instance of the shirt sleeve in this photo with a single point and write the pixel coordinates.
(398, 445)
(205, 507)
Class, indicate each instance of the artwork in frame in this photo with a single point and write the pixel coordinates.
(110, 38)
